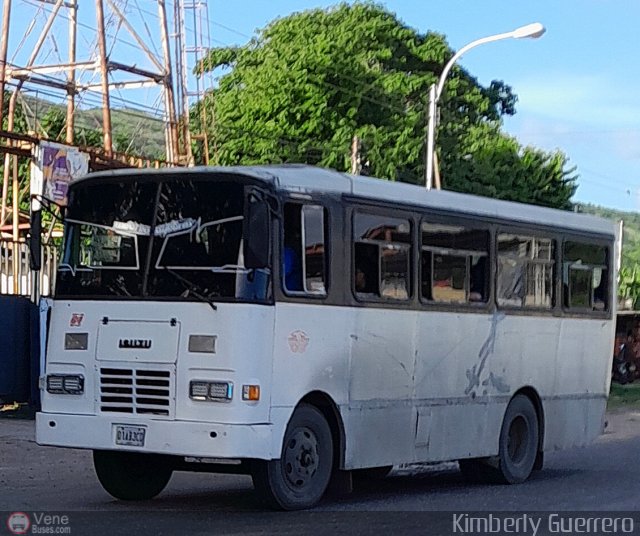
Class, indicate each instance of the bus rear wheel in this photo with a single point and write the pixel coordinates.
(518, 448)
(131, 476)
(300, 477)
(518, 441)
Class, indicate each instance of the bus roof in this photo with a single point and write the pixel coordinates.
(307, 179)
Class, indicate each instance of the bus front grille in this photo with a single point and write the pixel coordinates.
(135, 391)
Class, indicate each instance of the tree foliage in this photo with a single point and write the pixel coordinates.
(307, 83)
(629, 277)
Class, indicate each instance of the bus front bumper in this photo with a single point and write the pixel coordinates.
(181, 438)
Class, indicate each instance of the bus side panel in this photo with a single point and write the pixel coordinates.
(416, 386)
(310, 353)
(459, 410)
(469, 367)
(575, 408)
(380, 421)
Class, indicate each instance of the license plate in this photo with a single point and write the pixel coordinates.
(132, 436)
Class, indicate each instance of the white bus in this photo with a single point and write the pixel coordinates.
(300, 324)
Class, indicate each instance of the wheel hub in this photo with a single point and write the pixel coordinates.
(301, 458)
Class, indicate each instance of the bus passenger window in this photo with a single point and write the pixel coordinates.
(381, 257)
(585, 276)
(292, 252)
(304, 260)
(314, 240)
(394, 268)
(366, 270)
(478, 281)
(426, 268)
(454, 264)
(525, 271)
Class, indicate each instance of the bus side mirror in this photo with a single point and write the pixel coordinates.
(35, 241)
(257, 233)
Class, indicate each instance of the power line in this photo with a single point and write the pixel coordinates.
(95, 100)
(86, 26)
(297, 143)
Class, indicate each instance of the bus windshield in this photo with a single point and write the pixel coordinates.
(157, 239)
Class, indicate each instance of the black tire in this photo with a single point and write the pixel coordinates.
(131, 476)
(518, 448)
(300, 477)
(372, 473)
(519, 439)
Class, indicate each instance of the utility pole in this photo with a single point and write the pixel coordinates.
(356, 160)
(6, 18)
(4, 41)
(12, 109)
(181, 74)
(71, 91)
(431, 133)
(104, 71)
(170, 106)
(436, 171)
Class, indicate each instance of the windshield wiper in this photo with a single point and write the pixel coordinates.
(190, 287)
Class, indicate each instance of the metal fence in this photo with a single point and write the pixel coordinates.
(17, 278)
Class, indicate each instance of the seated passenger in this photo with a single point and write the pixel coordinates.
(292, 270)
(477, 285)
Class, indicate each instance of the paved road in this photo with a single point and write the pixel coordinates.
(604, 476)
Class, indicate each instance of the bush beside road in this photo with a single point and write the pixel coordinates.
(624, 396)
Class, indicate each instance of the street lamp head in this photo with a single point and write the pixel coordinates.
(533, 30)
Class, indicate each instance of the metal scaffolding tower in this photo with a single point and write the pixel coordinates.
(114, 45)
(192, 41)
(115, 74)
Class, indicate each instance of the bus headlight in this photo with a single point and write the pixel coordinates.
(76, 341)
(212, 391)
(65, 384)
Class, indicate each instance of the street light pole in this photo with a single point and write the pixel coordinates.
(533, 30)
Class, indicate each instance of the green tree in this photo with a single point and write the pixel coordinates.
(300, 89)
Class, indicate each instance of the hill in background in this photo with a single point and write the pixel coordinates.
(134, 131)
(630, 235)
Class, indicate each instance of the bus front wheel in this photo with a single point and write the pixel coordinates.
(131, 476)
(300, 477)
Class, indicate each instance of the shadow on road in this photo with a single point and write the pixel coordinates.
(369, 494)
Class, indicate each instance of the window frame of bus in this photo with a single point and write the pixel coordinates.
(467, 224)
(383, 212)
(326, 230)
(608, 247)
(529, 232)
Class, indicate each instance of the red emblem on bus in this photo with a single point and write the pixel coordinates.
(298, 341)
(76, 320)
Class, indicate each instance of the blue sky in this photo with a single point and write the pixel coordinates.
(577, 85)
